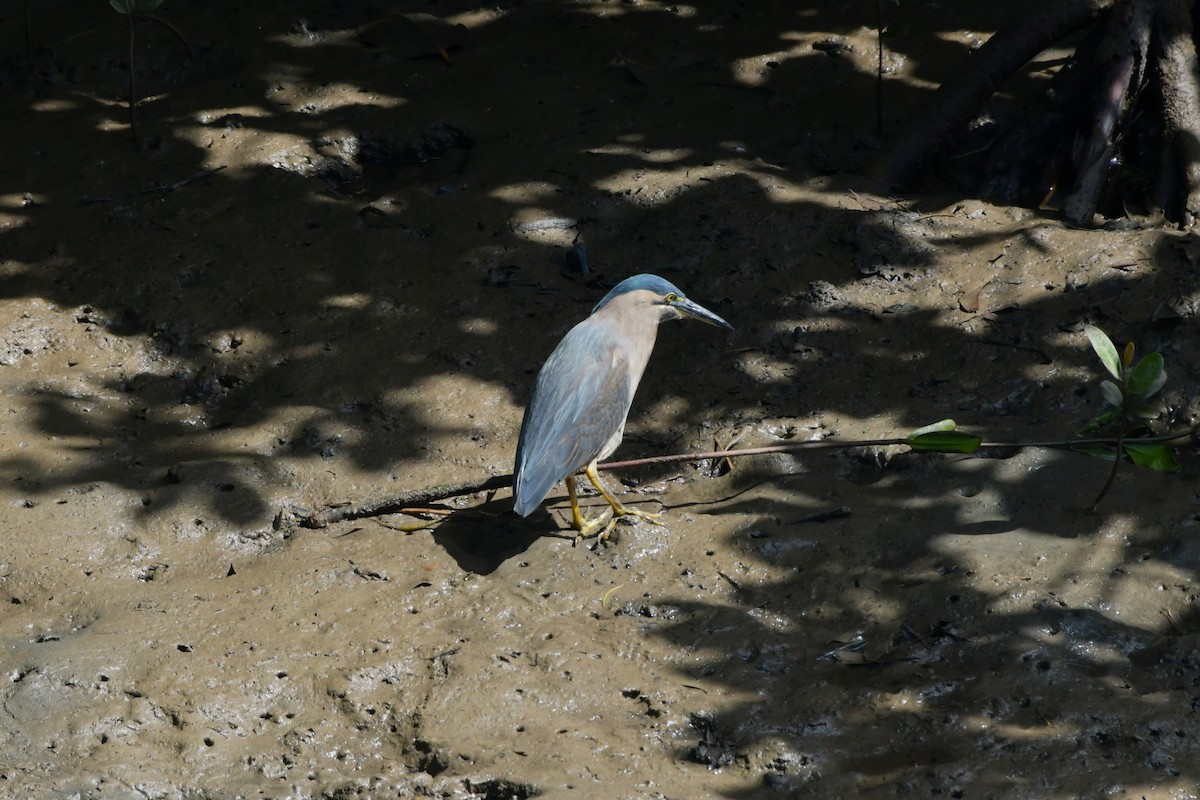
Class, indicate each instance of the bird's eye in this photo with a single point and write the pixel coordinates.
(672, 297)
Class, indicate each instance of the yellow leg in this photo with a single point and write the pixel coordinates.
(586, 527)
(577, 520)
(618, 509)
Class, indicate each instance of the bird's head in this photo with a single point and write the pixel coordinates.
(660, 295)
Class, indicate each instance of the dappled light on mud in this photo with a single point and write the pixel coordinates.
(328, 271)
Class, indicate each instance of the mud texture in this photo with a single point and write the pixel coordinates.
(330, 268)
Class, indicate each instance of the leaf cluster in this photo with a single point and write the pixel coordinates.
(1127, 400)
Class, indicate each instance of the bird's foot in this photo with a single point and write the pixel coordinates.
(626, 511)
(596, 526)
(602, 526)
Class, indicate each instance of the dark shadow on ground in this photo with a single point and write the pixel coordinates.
(301, 306)
(483, 537)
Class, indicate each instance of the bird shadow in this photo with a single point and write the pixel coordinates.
(483, 537)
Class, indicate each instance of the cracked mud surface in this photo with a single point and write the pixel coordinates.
(356, 304)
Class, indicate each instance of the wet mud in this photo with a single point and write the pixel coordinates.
(330, 268)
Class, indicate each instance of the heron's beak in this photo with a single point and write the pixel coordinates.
(688, 309)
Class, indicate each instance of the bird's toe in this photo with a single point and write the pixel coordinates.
(626, 511)
(594, 526)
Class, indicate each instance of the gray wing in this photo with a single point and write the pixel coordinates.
(579, 401)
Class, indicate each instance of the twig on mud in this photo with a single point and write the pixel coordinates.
(1178, 631)
(164, 188)
(406, 500)
(441, 51)
(428, 517)
(1112, 473)
(823, 516)
(397, 503)
(131, 14)
(604, 600)
(1037, 352)
(726, 465)
(730, 580)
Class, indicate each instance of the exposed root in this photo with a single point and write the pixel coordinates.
(1123, 61)
(959, 99)
(1098, 142)
(1181, 100)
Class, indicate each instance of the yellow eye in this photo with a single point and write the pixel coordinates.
(672, 297)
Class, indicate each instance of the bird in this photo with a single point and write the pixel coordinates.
(581, 398)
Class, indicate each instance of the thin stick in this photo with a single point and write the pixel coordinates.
(1112, 473)
(443, 52)
(824, 444)
(178, 34)
(419, 497)
(164, 188)
(133, 96)
(396, 503)
(836, 444)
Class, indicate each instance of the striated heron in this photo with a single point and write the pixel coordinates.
(581, 399)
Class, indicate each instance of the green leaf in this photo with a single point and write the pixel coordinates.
(1155, 385)
(1147, 376)
(941, 437)
(941, 426)
(1105, 349)
(1145, 373)
(1096, 423)
(944, 442)
(1154, 456)
(135, 8)
(1112, 394)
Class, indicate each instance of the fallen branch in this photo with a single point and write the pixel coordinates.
(422, 497)
(394, 504)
